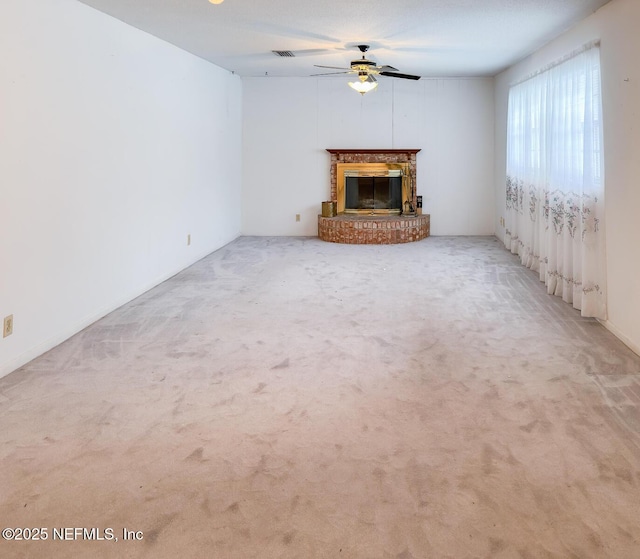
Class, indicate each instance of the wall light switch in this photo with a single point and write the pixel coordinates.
(297, 217)
(189, 239)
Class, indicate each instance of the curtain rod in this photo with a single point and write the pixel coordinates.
(573, 53)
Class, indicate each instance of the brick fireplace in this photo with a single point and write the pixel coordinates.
(379, 223)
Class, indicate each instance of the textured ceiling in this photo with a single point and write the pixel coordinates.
(422, 37)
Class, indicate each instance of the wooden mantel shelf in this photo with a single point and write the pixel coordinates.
(364, 151)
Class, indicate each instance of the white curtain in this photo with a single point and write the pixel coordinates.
(555, 183)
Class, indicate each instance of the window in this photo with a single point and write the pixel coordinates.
(555, 183)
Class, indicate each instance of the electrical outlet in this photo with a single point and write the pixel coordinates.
(7, 327)
(297, 217)
(189, 239)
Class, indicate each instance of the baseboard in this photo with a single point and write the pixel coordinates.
(616, 332)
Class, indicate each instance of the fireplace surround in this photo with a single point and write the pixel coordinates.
(384, 209)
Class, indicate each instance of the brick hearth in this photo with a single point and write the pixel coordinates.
(373, 230)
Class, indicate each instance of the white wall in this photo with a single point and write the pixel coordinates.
(616, 25)
(114, 146)
(289, 122)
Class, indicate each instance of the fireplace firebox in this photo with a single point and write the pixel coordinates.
(373, 194)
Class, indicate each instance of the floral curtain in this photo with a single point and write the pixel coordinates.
(555, 184)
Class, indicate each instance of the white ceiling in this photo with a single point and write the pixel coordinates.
(421, 37)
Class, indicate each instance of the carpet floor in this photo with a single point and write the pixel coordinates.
(290, 398)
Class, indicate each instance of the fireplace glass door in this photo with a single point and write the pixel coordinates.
(373, 194)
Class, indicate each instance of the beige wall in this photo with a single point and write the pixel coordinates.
(616, 25)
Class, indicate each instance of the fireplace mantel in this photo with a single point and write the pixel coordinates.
(373, 151)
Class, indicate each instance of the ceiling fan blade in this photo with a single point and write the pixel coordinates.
(386, 68)
(331, 67)
(398, 75)
(330, 74)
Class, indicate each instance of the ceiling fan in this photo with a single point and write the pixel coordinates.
(366, 70)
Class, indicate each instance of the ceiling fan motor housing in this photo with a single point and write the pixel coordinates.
(362, 65)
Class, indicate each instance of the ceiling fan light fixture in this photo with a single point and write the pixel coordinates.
(365, 84)
(216, 1)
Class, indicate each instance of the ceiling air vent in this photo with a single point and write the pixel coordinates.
(284, 53)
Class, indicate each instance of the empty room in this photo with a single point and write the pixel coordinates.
(320, 279)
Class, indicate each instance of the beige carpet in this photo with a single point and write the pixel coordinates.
(286, 398)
